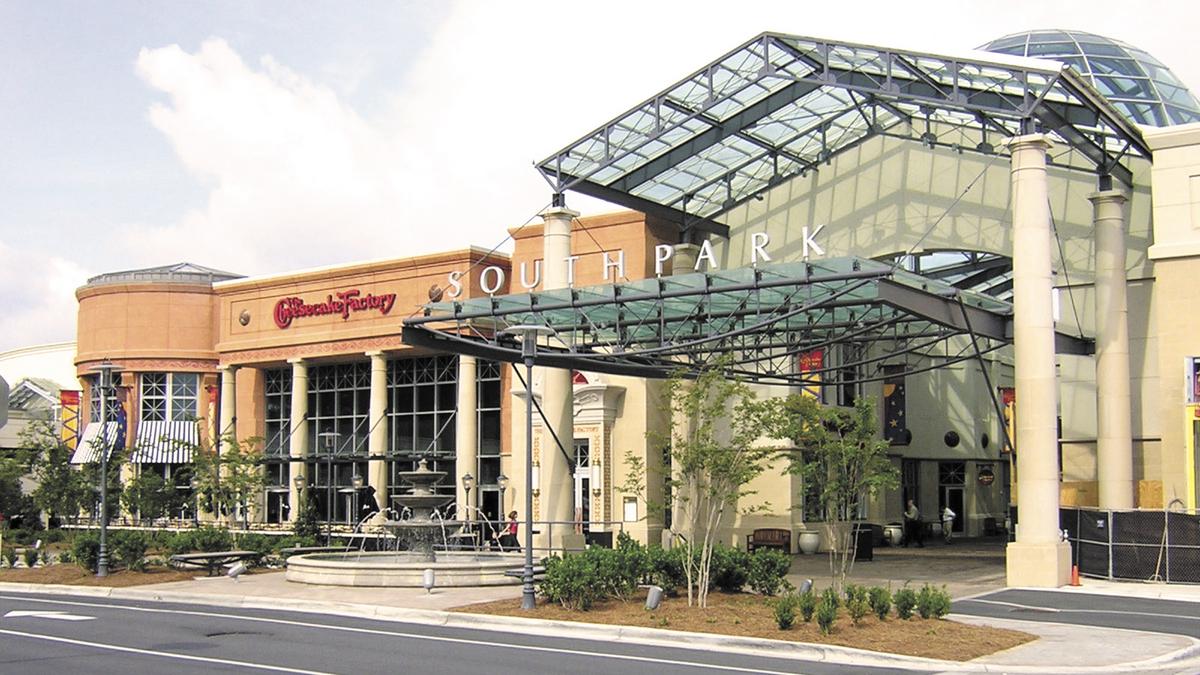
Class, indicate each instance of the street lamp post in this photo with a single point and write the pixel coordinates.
(356, 481)
(299, 482)
(329, 442)
(529, 336)
(194, 484)
(468, 482)
(502, 483)
(106, 370)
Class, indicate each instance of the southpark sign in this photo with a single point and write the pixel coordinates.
(492, 278)
(340, 303)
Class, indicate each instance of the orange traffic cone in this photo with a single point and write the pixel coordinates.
(1075, 575)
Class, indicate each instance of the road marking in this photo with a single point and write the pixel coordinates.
(1040, 608)
(169, 655)
(62, 616)
(413, 636)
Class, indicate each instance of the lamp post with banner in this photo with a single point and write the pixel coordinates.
(329, 445)
(106, 370)
(528, 334)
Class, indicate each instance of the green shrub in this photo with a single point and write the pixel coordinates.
(768, 567)
(858, 608)
(785, 611)
(10, 556)
(855, 592)
(66, 557)
(130, 547)
(730, 569)
(31, 557)
(571, 581)
(86, 550)
(262, 544)
(906, 600)
(807, 602)
(826, 615)
(664, 567)
(933, 603)
(208, 538)
(45, 556)
(52, 536)
(881, 602)
(830, 596)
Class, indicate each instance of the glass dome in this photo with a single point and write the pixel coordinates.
(1136, 83)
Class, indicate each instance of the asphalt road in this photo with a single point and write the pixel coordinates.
(65, 634)
(1144, 614)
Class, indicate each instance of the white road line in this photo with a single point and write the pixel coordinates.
(169, 655)
(1039, 608)
(414, 636)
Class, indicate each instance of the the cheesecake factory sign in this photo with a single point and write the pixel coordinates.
(341, 303)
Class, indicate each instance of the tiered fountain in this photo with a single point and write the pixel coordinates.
(418, 533)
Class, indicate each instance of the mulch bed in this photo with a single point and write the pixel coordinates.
(748, 615)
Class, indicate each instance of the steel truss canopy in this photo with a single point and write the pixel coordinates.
(766, 318)
(781, 105)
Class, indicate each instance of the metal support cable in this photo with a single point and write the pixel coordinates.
(537, 406)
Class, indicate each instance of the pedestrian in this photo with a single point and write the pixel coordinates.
(912, 526)
(508, 536)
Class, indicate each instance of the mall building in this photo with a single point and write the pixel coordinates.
(998, 249)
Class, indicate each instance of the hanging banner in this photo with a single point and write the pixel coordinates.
(895, 422)
(69, 405)
(1008, 398)
(811, 364)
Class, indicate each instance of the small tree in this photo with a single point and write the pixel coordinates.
(150, 496)
(61, 490)
(230, 480)
(308, 520)
(711, 433)
(837, 450)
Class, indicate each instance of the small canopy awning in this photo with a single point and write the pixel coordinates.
(88, 450)
(165, 442)
(766, 317)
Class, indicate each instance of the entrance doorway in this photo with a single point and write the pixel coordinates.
(952, 482)
(583, 483)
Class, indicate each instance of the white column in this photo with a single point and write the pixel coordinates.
(377, 475)
(298, 440)
(557, 483)
(466, 435)
(1038, 557)
(228, 424)
(1114, 437)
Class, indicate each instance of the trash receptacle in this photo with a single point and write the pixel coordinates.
(864, 543)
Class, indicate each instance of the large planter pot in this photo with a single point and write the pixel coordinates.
(894, 534)
(809, 542)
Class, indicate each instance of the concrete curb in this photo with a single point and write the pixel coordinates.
(603, 632)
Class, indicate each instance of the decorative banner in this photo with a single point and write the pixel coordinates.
(69, 402)
(1008, 397)
(811, 364)
(895, 422)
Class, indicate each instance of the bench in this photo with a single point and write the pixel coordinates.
(213, 561)
(769, 537)
(539, 571)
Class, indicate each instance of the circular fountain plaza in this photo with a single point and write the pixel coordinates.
(419, 529)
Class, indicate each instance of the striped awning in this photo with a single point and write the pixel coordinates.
(168, 442)
(89, 443)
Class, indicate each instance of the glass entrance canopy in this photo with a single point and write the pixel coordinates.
(766, 318)
(781, 105)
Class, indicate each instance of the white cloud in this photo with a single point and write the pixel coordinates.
(38, 303)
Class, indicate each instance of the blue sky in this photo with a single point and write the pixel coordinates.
(262, 137)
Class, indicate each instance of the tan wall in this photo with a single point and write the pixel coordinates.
(1176, 255)
(160, 322)
(260, 340)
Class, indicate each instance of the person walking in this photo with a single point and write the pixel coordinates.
(912, 526)
(508, 536)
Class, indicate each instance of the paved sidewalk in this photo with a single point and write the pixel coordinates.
(1061, 648)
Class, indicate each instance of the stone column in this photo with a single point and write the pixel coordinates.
(1114, 437)
(298, 438)
(684, 261)
(228, 424)
(557, 483)
(377, 474)
(1038, 557)
(466, 436)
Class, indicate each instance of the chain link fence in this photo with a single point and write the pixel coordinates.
(1136, 545)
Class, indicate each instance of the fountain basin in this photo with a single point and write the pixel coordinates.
(404, 570)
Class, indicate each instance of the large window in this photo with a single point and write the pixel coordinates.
(422, 396)
(94, 398)
(487, 404)
(339, 398)
(169, 396)
(278, 416)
